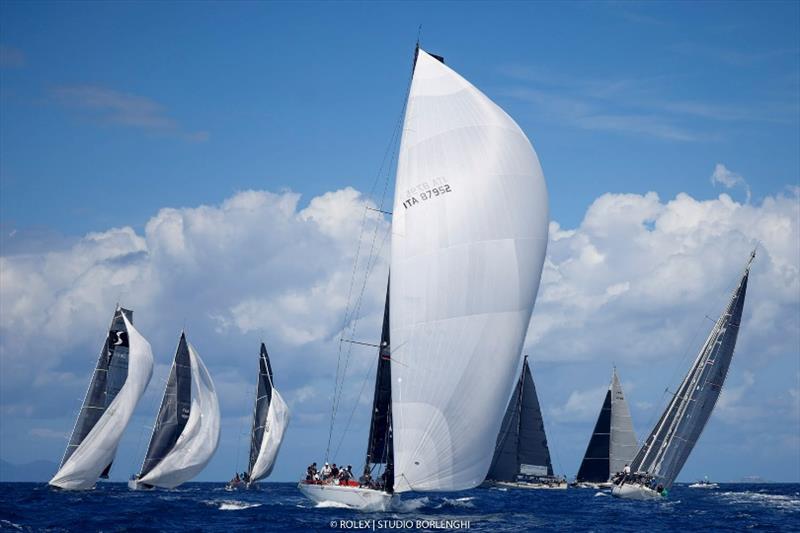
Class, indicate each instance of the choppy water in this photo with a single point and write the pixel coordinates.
(279, 506)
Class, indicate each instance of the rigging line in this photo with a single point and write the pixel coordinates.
(393, 143)
(355, 321)
(355, 405)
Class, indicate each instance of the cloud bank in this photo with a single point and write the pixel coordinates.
(631, 284)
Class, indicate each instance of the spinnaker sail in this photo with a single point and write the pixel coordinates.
(119, 380)
(469, 234)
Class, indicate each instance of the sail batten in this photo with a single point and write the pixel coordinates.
(469, 232)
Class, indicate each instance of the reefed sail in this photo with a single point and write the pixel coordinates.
(120, 378)
(469, 234)
(186, 433)
(270, 418)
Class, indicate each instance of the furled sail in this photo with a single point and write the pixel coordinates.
(668, 446)
(469, 234)
(613, 443)
(379, 446)
(521, 444)
(270, 418)
(122, 373)
(186, 433)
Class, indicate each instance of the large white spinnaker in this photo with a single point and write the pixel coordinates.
(469, 234)
(270, 418)
(199, 436)
(89, 455)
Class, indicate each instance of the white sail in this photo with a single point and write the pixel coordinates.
(470, 224)
(277, 420)
(97, 450)
(623, 445)
(198, 440)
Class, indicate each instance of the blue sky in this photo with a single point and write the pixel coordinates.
(113, 112)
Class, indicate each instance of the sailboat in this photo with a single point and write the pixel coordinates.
(270, 418)
(613, 442)
(120, 378)
(704, 484)
(469, 234)
(186, 432)
(522, 457)
(663, 454)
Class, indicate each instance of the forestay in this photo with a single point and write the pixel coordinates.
(187, 429)
(470, 225)
(122, 373)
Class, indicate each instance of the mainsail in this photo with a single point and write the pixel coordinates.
(122, 373)
(270, 418)
(469, 234)
(668, 446)
(186, 433)
(613, 443)
(521, 444)
(380, 449)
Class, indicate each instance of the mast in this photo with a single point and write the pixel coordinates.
(380, 449)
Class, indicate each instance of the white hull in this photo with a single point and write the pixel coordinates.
(523, 485)
(353, 497)
(634, 491)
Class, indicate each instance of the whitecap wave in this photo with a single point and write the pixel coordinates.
(407, 506)
(330, 504)
(231, 505)
(601, 493)
(457, 502)
(777, 501)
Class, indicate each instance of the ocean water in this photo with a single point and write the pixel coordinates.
(280, 507)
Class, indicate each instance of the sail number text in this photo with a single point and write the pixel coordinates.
(426, 194)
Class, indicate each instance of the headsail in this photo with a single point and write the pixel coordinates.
(270, 418)
(613, 443)
(469, 234)
(522, 443)
(380, 449)
(122, 373)
(186, 433)
(668, 446)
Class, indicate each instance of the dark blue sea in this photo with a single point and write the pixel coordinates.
(279, 506)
